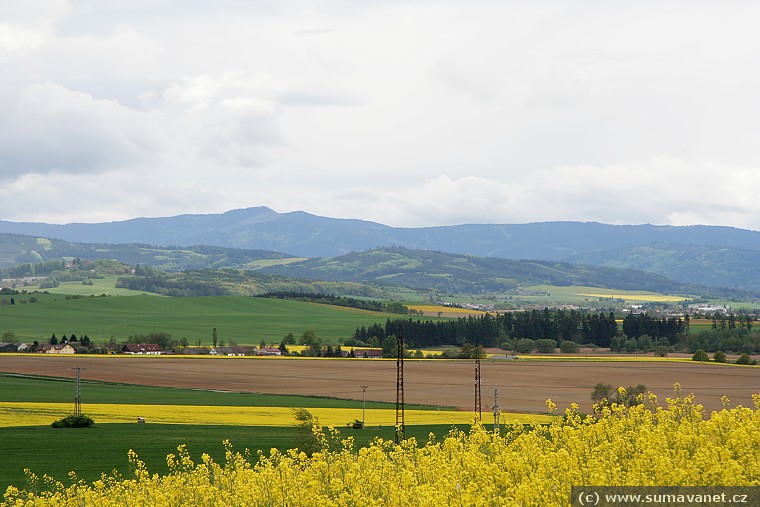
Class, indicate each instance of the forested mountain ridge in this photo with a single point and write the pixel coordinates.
(250, 238)
(305, 235)
(466, 274)
(18, 249)
(251, 228)
(381, 272)
(707, 265)
(236, 282)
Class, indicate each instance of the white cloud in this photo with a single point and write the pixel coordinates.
(26, 26)
(658, 191)
(15, 40)
(47, 127)
(415, 113)
(228, 117)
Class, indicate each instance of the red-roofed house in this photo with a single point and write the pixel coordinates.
(368, 353)
(141, 348)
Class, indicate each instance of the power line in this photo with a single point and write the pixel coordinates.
(78, 394)
(364, 403)
(400, 429)
(496, 411)
(478, 401)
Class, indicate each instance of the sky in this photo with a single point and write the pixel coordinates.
(408, 113)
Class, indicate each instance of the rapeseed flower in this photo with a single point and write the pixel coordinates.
(527, 465)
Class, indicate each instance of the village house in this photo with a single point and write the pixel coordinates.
(61, 348)
(233, 351)
(270, 351)
(8, 347)
(367, 353)
(195, 351)
(142, 349)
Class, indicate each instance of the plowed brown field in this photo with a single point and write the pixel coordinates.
(523, 386)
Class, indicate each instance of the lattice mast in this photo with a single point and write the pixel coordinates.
(400, 429)
(364, 403)
(78, 393)
(478, 400)
(496, 411)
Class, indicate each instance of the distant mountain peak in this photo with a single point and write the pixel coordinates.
(304, 234)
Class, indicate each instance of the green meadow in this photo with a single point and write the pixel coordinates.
(23, 388)
(91, 452)
(246, 320)
(105, 285)
(102, 449)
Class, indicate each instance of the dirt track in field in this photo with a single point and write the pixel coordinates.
(523, 386)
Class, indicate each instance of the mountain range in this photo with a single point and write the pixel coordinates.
(20, 249)
(706, 255)
(305, 235)
(467, 274)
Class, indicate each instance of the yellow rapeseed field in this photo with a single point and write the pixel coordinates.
(630, 296)
(31, 414)
(629, 358)
(643, 445)
(445, 310)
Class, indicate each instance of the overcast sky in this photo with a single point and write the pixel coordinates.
(407, 113)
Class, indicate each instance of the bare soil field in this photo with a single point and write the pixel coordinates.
(523, 386)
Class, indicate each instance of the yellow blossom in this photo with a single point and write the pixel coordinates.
(528, 465)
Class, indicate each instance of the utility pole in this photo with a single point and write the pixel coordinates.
(496, 411)
(78, 394)
(400, 429)
(478, 403)
(364, 393)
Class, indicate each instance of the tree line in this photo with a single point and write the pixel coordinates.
(740, 340)
(150, 279)
(599, 329)
(67, 270)
(226, 282)
(491, 330)
(636, 325)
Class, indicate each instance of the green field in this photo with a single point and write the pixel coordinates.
(92, 451)
(101, 449)
(105, 285)
(246, 320)
(21, 388)
(696, 326)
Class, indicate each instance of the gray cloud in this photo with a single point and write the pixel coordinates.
(410, 113)
(309, 98)
(50, 128)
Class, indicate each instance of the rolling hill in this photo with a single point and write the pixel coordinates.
(251, 238)
(18, 249)
(381, 272)
(305, 235)
(466, 274)
(706, 265)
